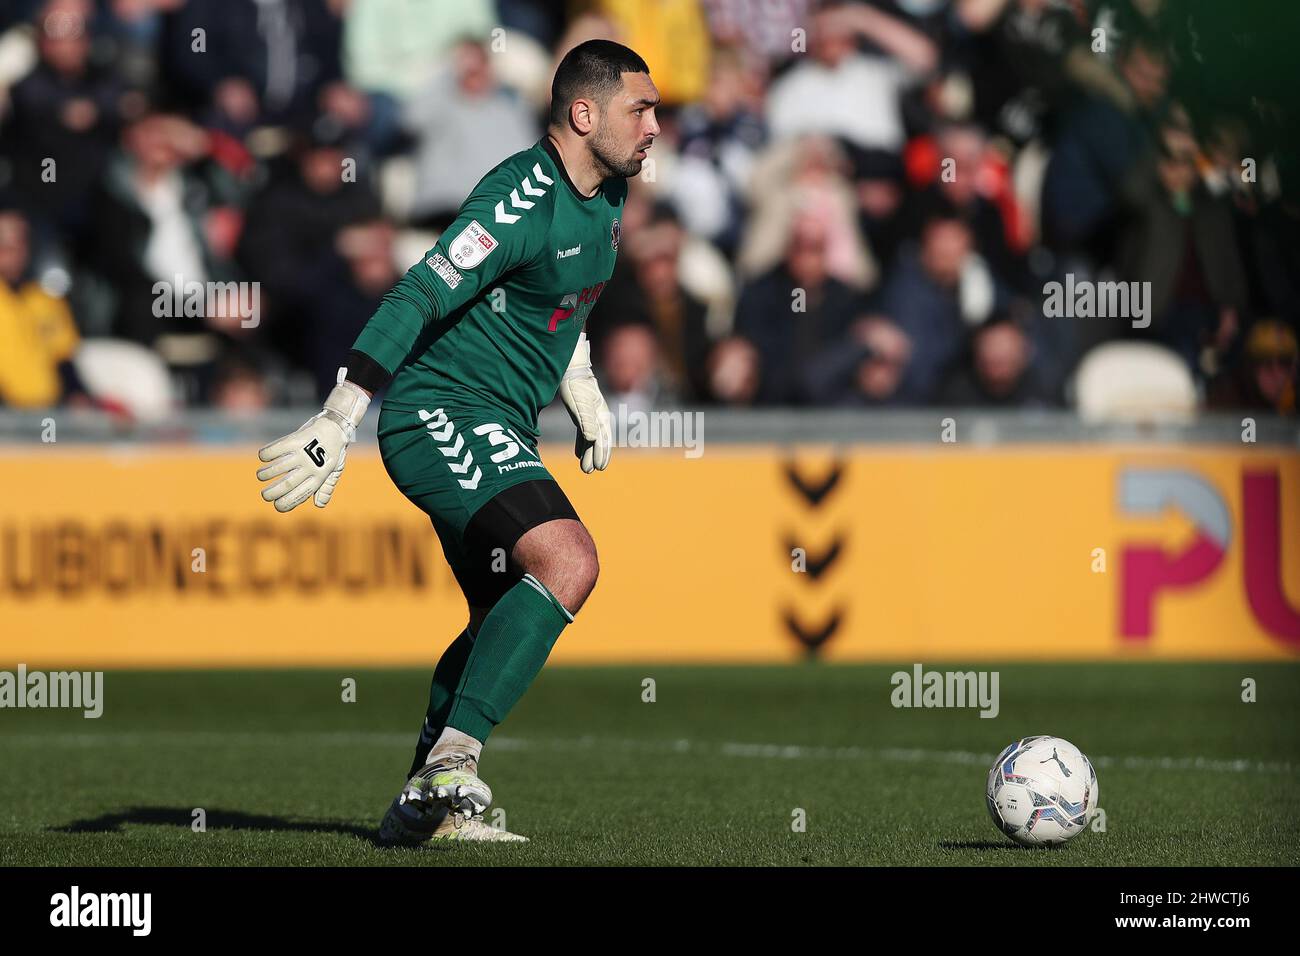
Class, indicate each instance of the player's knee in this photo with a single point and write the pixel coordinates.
(587, 570)
(562, 556)
(571, 574)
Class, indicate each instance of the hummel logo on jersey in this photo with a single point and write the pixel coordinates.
(472, 245)
(565, 253)
(446, 271)
(529, 190)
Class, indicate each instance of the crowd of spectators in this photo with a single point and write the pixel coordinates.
(851, 203)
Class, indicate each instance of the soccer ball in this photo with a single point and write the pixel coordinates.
(1042, 791)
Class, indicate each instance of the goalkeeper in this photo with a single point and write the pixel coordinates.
(472, 343)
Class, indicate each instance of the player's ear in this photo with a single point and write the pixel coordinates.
(582, 116)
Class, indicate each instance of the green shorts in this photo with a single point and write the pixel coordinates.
(481, 483)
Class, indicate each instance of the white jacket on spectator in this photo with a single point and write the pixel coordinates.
(857, 100)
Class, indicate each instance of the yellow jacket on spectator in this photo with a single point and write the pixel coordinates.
(672, 36)
(36, 335)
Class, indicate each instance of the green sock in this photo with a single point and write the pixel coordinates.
(508, 652)
(446, 677)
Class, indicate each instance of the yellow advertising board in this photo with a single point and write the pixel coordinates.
(157, 558)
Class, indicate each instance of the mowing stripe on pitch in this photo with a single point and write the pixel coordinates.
(681, 746)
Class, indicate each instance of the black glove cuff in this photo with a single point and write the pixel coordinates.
(366, 372)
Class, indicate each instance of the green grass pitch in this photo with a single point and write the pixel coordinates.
(710, 773)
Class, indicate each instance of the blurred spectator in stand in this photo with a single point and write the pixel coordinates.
(866, 367)
(790, 316)
(841, 91)
(155, 228)
(393, 47)
(262, 62)
(997, 369)
(881, 192)
(371, 119)
(630, 369)
(898, 353)
(131, 30)
(922, 298)
(650, 295)
(672, 36)
(346, 289)
(1120, 20)
(539, 21)
(1222, 168)
(719, 141)
(733, 371)
(1267, 219)
(1098, 146)
(1021, 57)
(239, 388)
(766, 29)
(1181, 240)
(1275, 253)
(1266, 377)
(38, 337)
(963, 173)
(464, 123)
(292, 226)
(65, 118)
(805, 178)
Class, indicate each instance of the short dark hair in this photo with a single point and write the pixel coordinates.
(595, 69)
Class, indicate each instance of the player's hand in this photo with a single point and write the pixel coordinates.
(581, 396)
(308, 463)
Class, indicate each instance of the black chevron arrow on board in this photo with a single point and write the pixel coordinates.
(816, 567)
(814, 494)
(812, 639)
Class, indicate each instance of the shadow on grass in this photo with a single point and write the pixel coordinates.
(216, 820)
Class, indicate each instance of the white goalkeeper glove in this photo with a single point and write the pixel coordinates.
(581, 396)
(310, 461)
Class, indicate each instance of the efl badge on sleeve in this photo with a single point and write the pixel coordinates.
(615, 233)
(472, 246)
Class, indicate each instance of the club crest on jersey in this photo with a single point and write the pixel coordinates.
(615, 233)
(472, 246)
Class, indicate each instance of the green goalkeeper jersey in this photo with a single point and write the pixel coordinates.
(489, 319)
